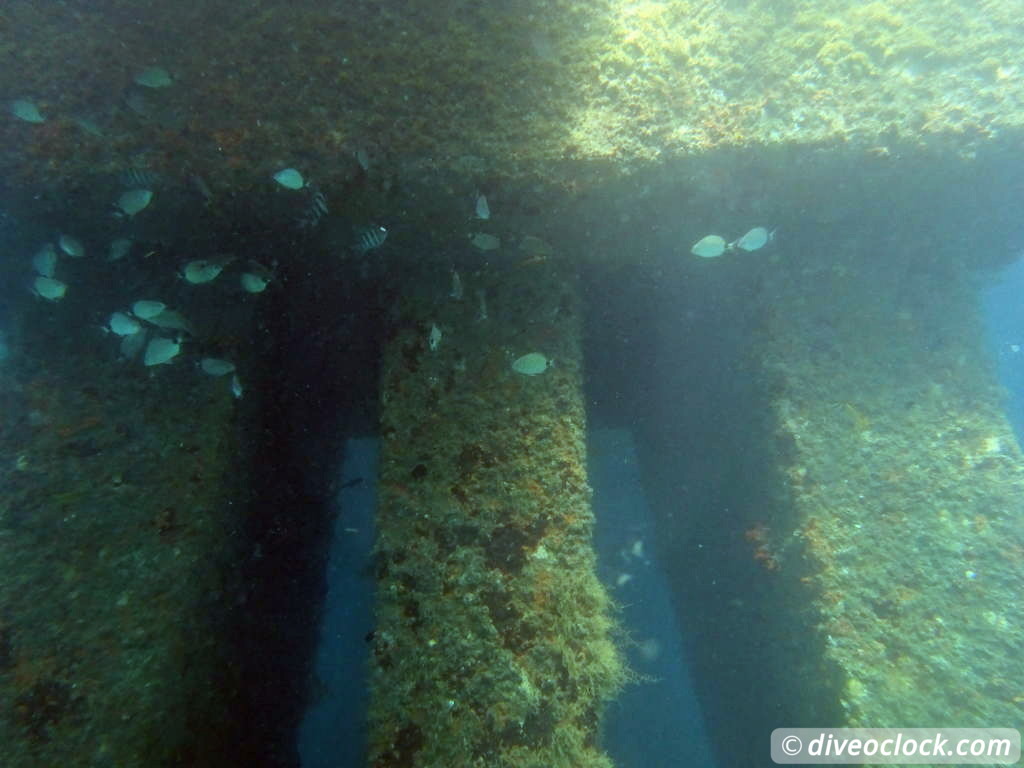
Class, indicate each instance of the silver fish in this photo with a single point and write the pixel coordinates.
(161, 350)
(154, 77)
(23, 109)
(172, 320)
(133, 344)
(483, 210)
(214, 366)
(132, 202)
(123, 324)
(49, 288)
(753, 240)
(45, 260)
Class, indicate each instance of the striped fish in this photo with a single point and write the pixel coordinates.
(316, 210)
(371, 238)
(135, 178)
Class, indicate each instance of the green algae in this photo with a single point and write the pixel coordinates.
(626, 84)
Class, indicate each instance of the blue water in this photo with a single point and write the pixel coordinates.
(656, 723)
(1003, 302)
(333, 732)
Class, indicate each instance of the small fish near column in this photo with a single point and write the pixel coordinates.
(490, 617)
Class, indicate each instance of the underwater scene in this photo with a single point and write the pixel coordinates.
(491, 384)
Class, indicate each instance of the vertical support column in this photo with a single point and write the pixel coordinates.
(119, 521)
(907, 485)
(838, 493)
(493, 642)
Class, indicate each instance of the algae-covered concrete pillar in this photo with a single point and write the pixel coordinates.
(907, 485)
(838, 491)
(492, 644)
(117, 541)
